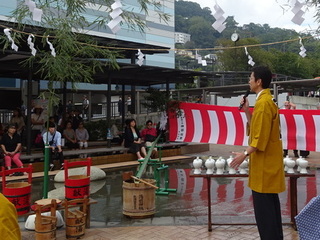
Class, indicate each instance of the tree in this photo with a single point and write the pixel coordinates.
(291, 64)
(201, 32)
(156, 100)
(231, 27)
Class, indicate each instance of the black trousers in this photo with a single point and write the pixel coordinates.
(268, 215)
(55, 155)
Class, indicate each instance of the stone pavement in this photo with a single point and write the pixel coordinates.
(225, 232)
(99, 231)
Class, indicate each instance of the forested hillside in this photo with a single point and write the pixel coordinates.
(283, 58)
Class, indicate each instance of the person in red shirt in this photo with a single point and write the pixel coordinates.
(148, 135)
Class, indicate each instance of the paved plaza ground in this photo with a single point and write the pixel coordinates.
(98, 231)
(225, 232)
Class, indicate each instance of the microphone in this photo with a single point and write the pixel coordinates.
(244, 99)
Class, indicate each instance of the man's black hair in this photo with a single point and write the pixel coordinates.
(263, 73)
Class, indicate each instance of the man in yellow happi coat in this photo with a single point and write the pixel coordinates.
(9, 227)
(266, 173)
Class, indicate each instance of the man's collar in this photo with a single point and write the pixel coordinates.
(259, 94)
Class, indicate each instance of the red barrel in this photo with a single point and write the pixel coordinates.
(77, 186)
(19, 194)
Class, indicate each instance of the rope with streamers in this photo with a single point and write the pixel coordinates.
(173, 49)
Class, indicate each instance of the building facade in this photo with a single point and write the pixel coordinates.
(180, 37)
(157, 33)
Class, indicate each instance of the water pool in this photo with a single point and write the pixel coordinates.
(231, 199)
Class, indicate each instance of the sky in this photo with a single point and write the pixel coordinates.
(261, 12)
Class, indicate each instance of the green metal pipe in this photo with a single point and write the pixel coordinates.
(46, 171)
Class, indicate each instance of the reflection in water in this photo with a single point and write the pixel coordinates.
(59, 189)
(230, 197)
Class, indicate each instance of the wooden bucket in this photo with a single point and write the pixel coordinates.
(46, 230)
(75, 224)
(138, 199)
(46, 226)
(19, 194)
(77, 186)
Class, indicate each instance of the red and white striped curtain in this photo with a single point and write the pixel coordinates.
(300, 129)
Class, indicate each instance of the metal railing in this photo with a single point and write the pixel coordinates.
(5, 116)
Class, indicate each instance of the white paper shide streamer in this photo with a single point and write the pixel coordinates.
(250, 59)
(303, 51)
(219, 24)
(31, 44)
(163, 121)
(204, 63)
(115, 14)
(8, 34)
(200, 60)
(298, 12)
(53, 51)
(198, 57)
(140, 57)
(36, 12)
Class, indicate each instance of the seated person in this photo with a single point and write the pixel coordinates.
(10, 228)
(148, 135)
(11, 145)
(116, 134)
(82, 136)
(53, 138)
(70, 137)
(132, 140)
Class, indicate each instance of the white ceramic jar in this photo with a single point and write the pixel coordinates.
(210, 162)
(303, 164)
(231, 170)
(284, 162)
(197, 164)
(290, 165)
(220, 164)
(297, 163)
(243, 167)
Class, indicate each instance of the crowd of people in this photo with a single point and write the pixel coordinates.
(137, 141)
(69, 131)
